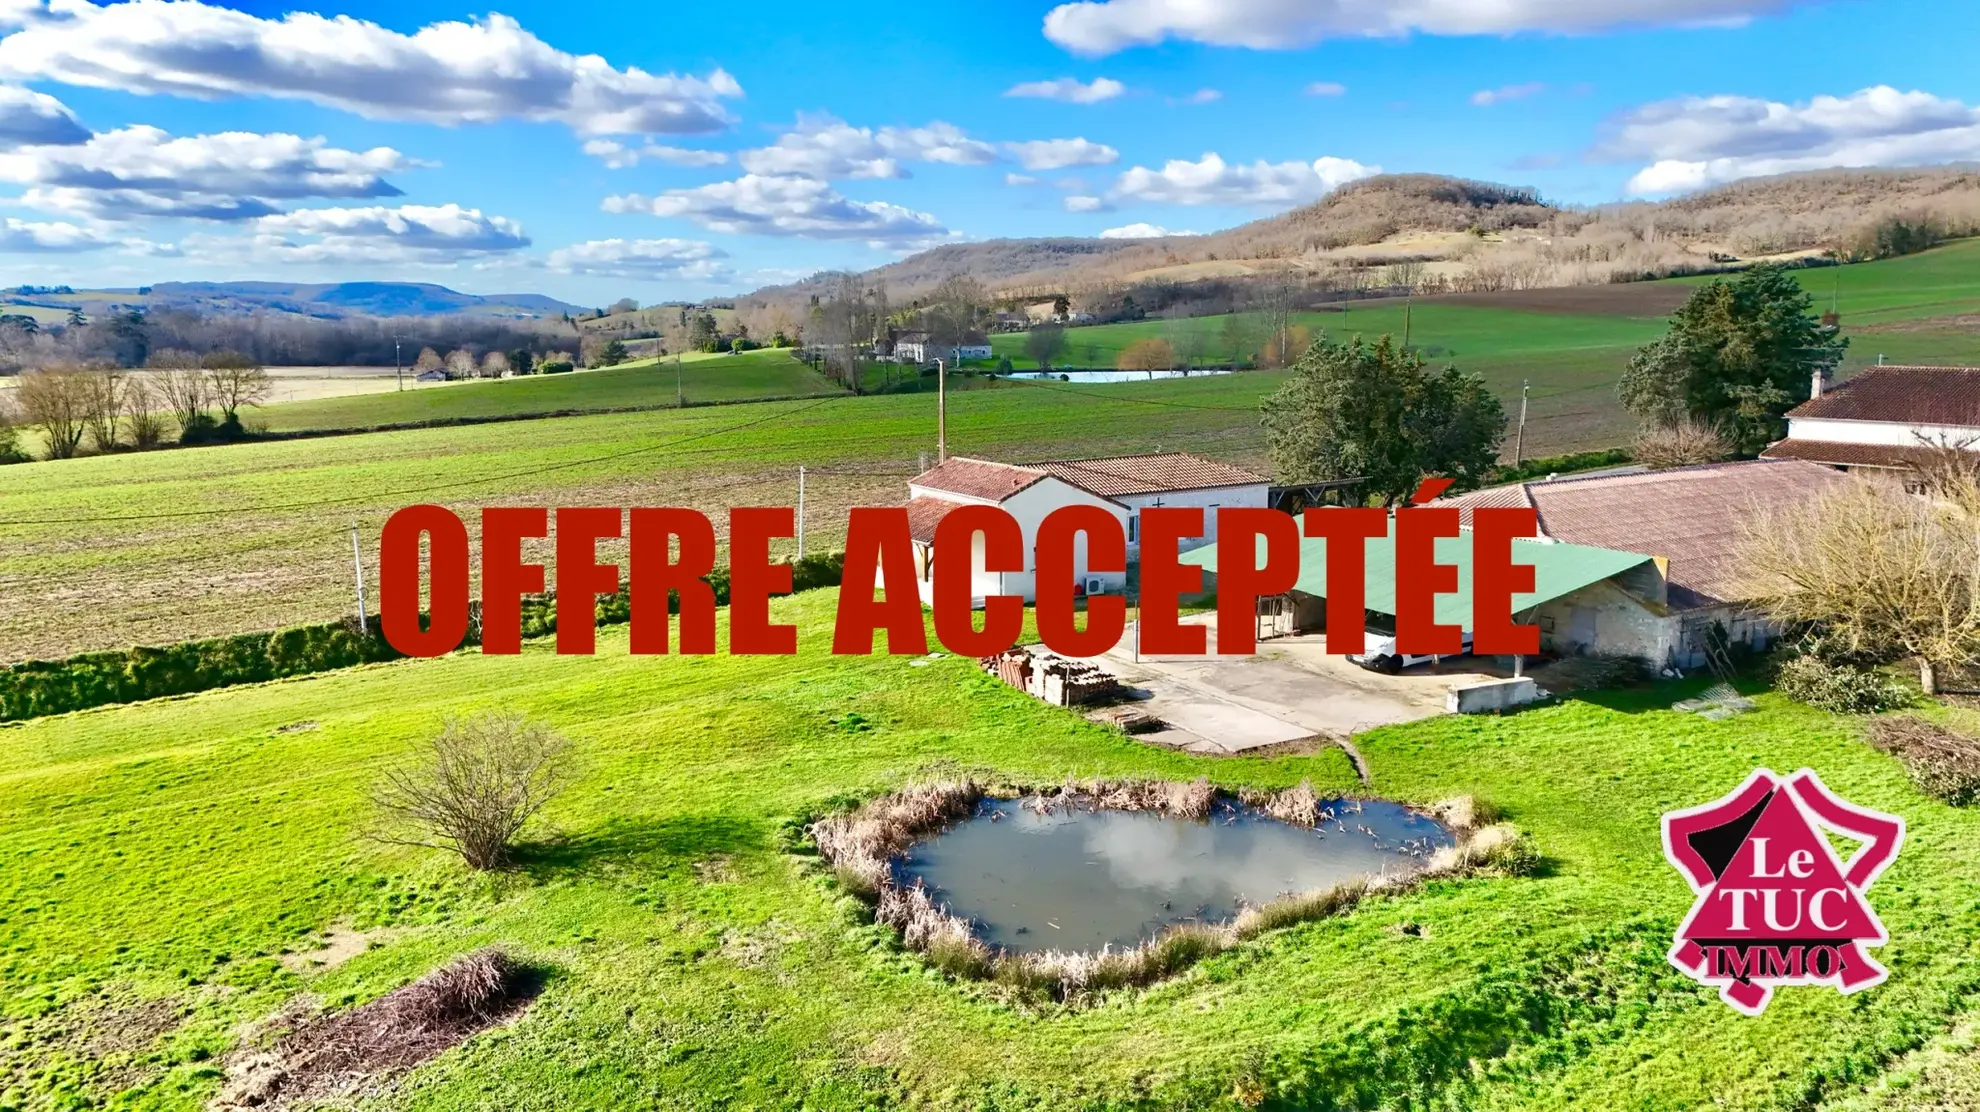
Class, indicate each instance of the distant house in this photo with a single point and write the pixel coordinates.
(1886, 418)
(920, 347)
(1122, 485)
(1691, 520)
(434, 375)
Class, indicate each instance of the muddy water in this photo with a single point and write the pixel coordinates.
(1080, 880)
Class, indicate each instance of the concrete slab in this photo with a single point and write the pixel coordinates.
(1292, 689)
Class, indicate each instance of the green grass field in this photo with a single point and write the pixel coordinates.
(174, 851)
(703, 378)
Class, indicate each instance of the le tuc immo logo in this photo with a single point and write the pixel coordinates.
(1776, 904)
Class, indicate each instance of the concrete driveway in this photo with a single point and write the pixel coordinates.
(1291, 690)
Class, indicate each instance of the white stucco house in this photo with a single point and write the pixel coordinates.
(919, 347)
(1121, 485)
(1886, 418)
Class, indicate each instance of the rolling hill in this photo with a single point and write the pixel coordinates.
(1448, 235)
(341, 299)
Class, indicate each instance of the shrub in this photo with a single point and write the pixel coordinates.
(477, 787)
(1942, 763)
(1838, 686)
(559, 368)
(1682, 443)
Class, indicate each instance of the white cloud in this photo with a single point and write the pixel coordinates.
(785, 205)
(828, 148)
(1485, 98)
(1698, 141)
(142, 171)
(377, 234)
(1104, 26)
(1069, 89)
(1020, 179)
(1057, 154)
(1326, 89)
(643, 259)
(1202, 96)
(1077, 203)
(30, 237)
(28, 118)
(1212, 181)
(448, 73)
(617, 156)
(1142, 231)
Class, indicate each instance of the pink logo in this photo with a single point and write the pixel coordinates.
(1777, 905)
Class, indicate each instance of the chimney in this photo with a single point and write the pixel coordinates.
(1821, 381)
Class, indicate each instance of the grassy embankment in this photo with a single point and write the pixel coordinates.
(176, 850)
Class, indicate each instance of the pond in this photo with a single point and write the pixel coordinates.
(1079, 879)
(1113, 376)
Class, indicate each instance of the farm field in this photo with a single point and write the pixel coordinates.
(164, 857)
(164, 546)
(704, 378)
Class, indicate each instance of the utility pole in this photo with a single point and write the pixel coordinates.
(398, 367)
(680, 397)
(1519, 442)
(357, 565)
(941, 412)
(800, 512)
(1408, 301)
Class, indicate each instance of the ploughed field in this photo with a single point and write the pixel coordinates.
(163, 859)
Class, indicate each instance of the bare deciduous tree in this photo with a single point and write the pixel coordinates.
(475, 788)
(55, 400)
(1883, 572)
(1044, 342)
(235, 381)
(103, 400)
(460, 363)
(1680, 443)
(142, 397)
(429, 360)
(956, 308)
(181, 385)
(495, 364)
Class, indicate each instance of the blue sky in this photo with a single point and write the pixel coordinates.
(600, 150)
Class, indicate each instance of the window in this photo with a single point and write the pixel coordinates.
(1133, 518)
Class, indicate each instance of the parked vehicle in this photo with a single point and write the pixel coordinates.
(1380, 654)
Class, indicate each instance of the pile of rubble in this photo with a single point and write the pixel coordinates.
(1054, 679)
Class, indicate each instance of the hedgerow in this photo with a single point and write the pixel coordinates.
(39, 687)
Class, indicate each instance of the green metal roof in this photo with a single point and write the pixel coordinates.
(1558, 569)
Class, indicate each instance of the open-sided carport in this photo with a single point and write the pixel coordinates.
(1558, 570)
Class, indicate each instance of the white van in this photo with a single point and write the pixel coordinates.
(1380, 652)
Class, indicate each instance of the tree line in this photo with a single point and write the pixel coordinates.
(128, 337)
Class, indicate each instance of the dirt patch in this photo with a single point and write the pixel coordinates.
(1620, 299)
(306, 1058)
(715, 870)
(340, 944)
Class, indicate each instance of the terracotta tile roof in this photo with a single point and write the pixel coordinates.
(1118, 475)
(1849, 455)
(1911, 395)
(1509, 497)
(1691, 516)
(976, 478)
(924, 514)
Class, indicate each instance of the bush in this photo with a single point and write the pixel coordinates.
(562, 367)
(477, 787)
(1838, 686)
(1543, 466)
(1943, 764)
